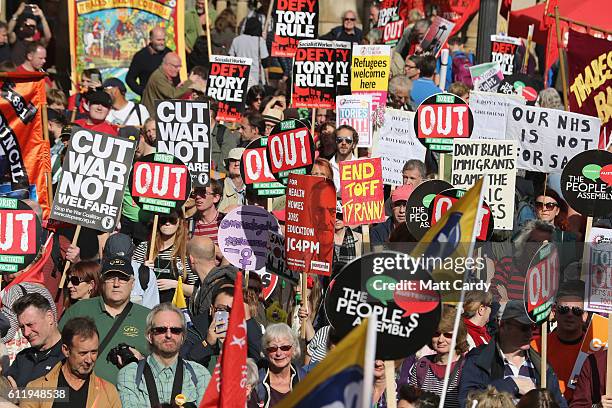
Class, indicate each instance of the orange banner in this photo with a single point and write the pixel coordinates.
(595, 339)
(26, 153)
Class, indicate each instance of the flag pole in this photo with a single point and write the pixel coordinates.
(451, 351)
(368, 363)
(561, 59)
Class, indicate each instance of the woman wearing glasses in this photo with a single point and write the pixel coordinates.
(551, 208)
(83, 282)
(279, 375)
(169, 256)
(428, 372)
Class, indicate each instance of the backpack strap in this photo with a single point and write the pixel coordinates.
(141, 368)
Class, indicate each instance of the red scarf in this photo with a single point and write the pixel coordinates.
(478, 333)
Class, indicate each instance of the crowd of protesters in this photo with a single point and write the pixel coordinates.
(114, 339)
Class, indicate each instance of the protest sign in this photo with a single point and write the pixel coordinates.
(361, 186)
(20, 235)
(183, 129)
(436, 36)
(290, 149)
(94, 175)
(598, 288)
(268, 282)
(403, 298)
(541, 283)
(486, 77)
(396, 144)
(276, 262)
(370, 69)
(595, 339)
(590, 79)
(503, 51)
(549, 138)
(294, 20)
(309, 229)
(160, 183)
(243, 236)
(356, 111)
(489, 110)
(586, 183)
(255, 171)
(440, 119)
(417, 207)
(314, 74)
(389, 21)
(343, 67)
(444, 200)
(496, 160)
(228, 84)
(523, 85)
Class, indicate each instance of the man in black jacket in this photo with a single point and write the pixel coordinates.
(507, 362)
(147, 60)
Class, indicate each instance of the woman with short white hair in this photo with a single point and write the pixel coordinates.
(278, 375)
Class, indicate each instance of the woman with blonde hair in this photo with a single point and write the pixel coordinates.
(489, 398)
(224, 32)
(169, 256)
(476, 314)
(428, 372)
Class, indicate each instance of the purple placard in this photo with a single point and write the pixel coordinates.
(243, 236)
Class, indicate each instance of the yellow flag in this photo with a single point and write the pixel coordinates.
(450, 238)
(179, 297)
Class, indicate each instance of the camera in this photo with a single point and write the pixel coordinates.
(121, 350)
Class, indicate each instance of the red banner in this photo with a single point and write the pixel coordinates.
(456, 11)
(309, 229)
(363, 198)
(21, 137)
(589, 60)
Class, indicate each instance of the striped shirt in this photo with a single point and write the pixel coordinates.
(433, 383)
(165, 268)
(509, 276)
(210, 230)
(526, 370)
(317, 347)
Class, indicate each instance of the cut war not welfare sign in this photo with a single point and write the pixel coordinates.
(183, 129)
(94, 174)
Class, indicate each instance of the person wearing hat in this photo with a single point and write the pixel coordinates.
(508, 363)
(117, 282)
(273, 113)
(566, 339)
(100, 104)
(234, 189)
(399, 198)
(123, 112)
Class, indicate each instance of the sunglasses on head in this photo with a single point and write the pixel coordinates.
(171, 220)
(75, 280)
(348, 140)
(273, 349)
(549, 206)
(446, 335)
(577, 311)
(163, 330)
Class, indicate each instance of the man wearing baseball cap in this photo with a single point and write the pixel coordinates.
(100, 104)
(508, 363)
(123, 112)
(399, 197)
(234, 190)
(117, 282)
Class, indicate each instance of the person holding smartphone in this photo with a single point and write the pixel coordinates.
(27, 25)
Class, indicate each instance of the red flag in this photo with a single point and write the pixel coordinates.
(35, 272)
(230, 391)
(504, 8)
(547, 21)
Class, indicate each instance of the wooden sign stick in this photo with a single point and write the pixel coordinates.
(153, 236)
(75, 239)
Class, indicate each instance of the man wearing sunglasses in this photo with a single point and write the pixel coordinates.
(347, 31)
(567, 338)
(163, 377)
(114, 305)
(346, 142)
(508, 363)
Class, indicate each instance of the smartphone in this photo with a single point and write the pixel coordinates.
(221, 321)
(30, 8)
